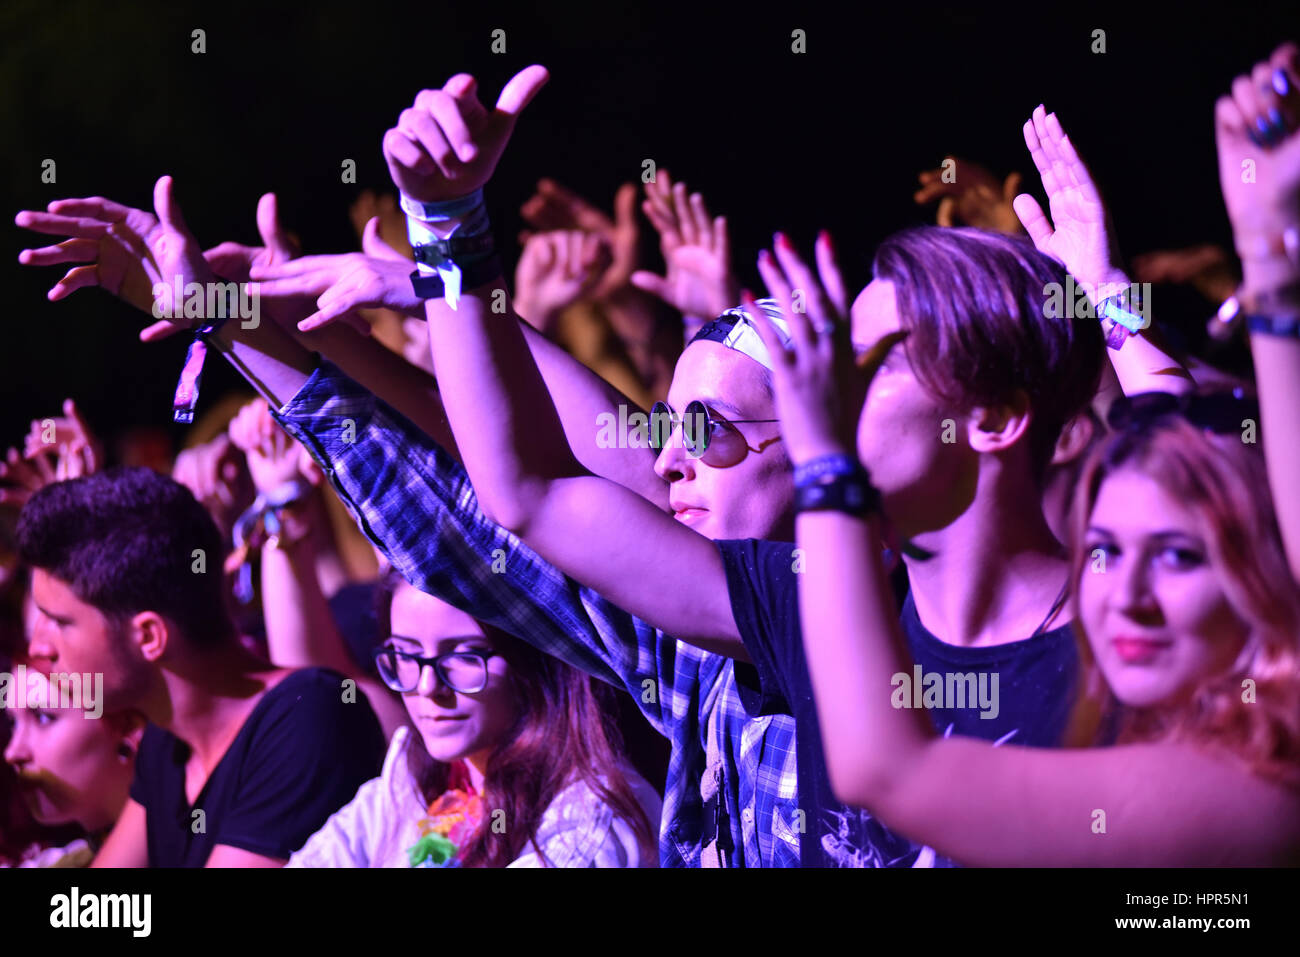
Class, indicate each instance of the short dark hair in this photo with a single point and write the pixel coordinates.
(975, 304)
(124, 541)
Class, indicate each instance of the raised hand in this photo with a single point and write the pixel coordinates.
(273, 457)
(233, 262)
(556, 269)
(553, 208)
(217, 475)
(819, 385)
(447, 144)
(77, 450)
(696, 250)
(974, 197)
(122, 250)
(340, 284)
(22, 477)
(1080, 234)
(1259, 166)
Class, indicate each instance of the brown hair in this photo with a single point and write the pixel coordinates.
(565, 732)
(976, 307)
(1223, 480)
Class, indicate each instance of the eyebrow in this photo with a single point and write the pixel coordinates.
(723, 406)
(1162, 535)
(49, 614)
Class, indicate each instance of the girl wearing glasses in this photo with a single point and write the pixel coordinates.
(1181, 585)
(511, 760)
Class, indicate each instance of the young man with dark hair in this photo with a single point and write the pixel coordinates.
(242, 761)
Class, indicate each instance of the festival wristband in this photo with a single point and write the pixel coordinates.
(186, 396)
(1286, 327)
(853, 494)
(441, 211)
(816, 470)
(480, 273)
(1112, 310)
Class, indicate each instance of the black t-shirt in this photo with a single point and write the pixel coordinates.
(1035, 684)
(301, 754)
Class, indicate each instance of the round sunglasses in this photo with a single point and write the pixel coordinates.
(703, 437)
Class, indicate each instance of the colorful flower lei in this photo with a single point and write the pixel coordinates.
(453, 817)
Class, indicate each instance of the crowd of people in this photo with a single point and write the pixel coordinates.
(974, 566)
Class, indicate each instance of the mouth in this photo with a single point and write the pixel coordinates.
(688, 514)
(1139, 651)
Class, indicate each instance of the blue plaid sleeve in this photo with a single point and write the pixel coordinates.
(415, 502)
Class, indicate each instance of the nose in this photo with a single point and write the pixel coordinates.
(1131, 593)
(17, 751)
(674, 463)
(431, 685)
(39, 644)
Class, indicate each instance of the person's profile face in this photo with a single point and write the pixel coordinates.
(454, 725)
(69, 767)
(75, 637)
(916, 452)
(747, 499)
(1150, 597)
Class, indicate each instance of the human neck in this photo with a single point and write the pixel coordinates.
(477, 764)
(994, 574)
(209, 695)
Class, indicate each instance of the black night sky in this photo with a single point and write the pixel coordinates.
(832, 138)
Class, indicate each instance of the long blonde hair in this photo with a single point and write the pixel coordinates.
(1222, 479)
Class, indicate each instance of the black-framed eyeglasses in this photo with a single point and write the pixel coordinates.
(703, 436)
(1213, 411)
(462, 671)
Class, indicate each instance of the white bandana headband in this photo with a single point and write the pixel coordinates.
(735, 329)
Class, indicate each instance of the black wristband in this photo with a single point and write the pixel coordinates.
(436, 251)
(1287, 327)
(429, 285)
(853, 494)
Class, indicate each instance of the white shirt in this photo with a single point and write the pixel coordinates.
(382, 822)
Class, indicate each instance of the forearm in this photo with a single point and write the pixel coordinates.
(404, 386)
(1277, 376)
(300, 629)
(854, 647)
(507, 425)
(272, 361)
(1144, 363)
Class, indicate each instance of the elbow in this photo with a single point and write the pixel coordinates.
(513, 505)
(873, 785)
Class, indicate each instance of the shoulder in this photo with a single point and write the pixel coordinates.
(579, 829)
(309, 694)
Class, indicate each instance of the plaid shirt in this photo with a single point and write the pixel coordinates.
(416, 503)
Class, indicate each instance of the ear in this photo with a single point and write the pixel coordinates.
(1075, 438)
(129, 727)
(998, 428)
(149, 632)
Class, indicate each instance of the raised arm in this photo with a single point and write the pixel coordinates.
(1259, 170)
(1081, 236)
(505, 421)
(977, 804)
(317, 290)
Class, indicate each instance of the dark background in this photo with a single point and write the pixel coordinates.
(831, 138)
